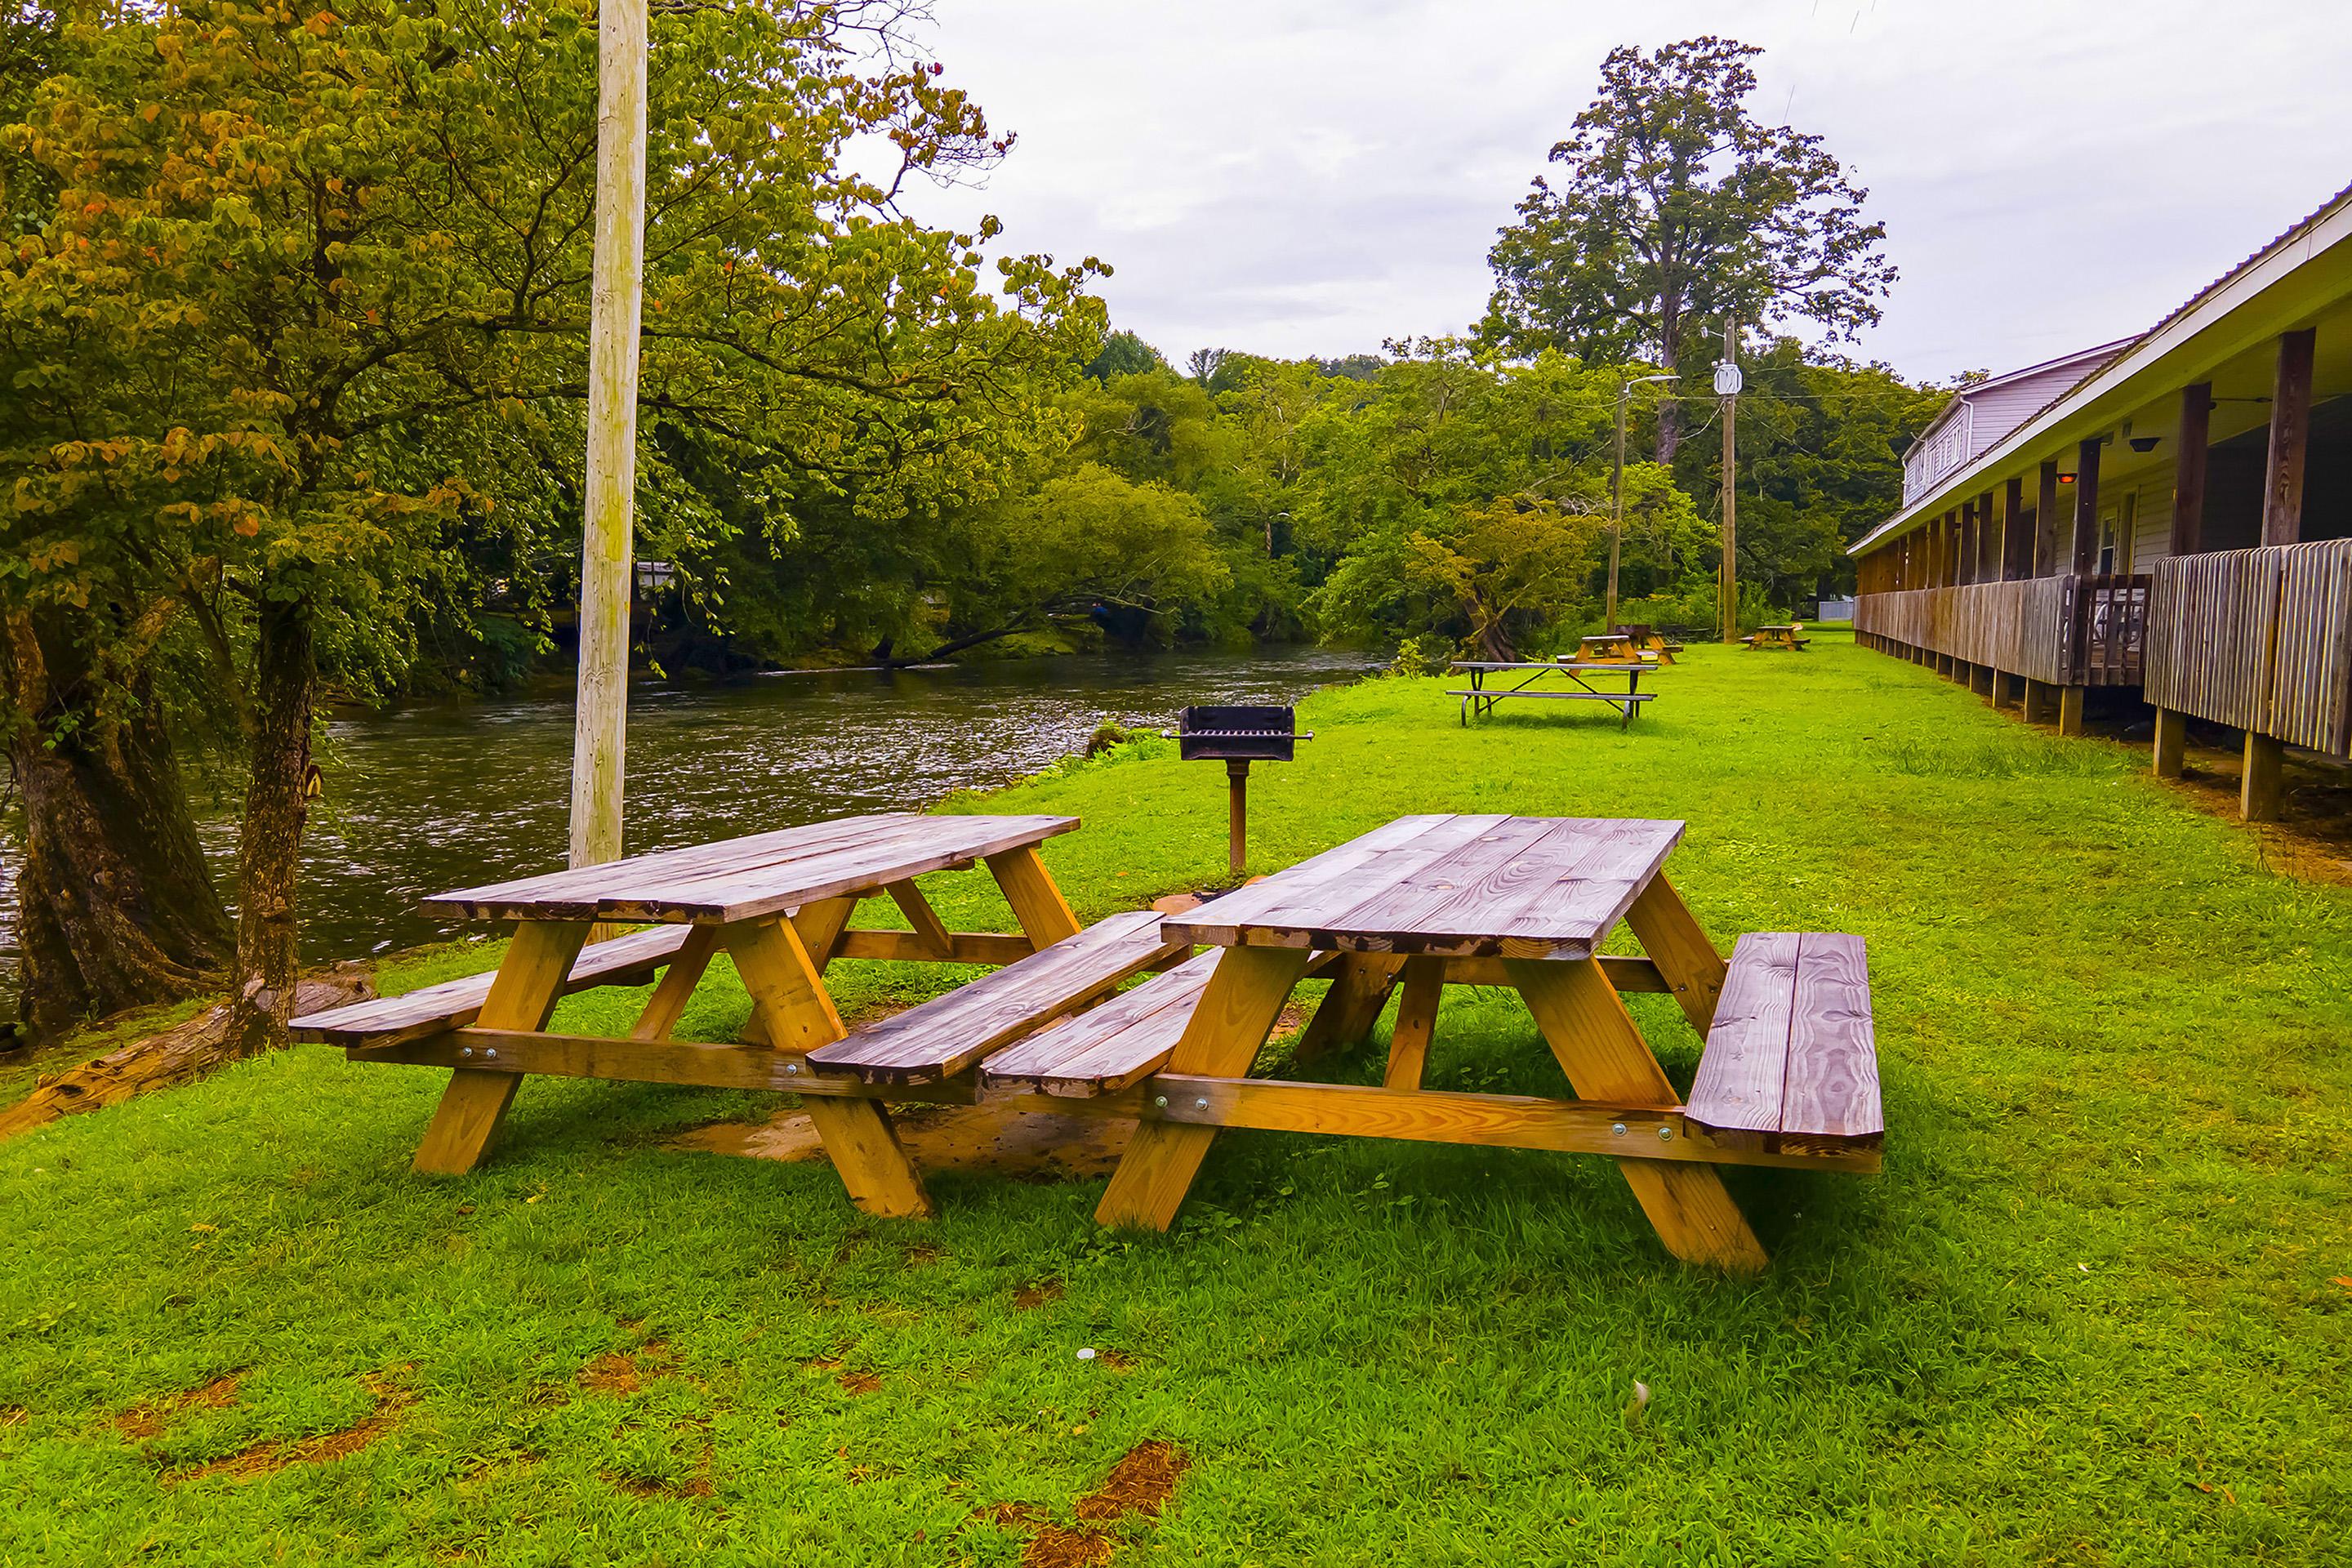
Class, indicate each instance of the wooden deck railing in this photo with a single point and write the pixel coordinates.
(2259, 640)
(2086, 630)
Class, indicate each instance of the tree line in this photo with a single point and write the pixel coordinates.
(294, 314)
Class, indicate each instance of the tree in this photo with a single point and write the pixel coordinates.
(1124, 354)
(302, 273)
(1491, 575)
(1677, 208)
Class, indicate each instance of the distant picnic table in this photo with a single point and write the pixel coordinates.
(1786, 637)
(1481, 699)
(1789, 1077)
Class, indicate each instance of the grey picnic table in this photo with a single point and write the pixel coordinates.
(1789, 1075)
(1481, 699)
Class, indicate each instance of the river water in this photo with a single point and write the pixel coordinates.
(435, 796)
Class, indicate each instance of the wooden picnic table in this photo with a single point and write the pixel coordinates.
(1482, 699)
(1777, 637)
(779, 904)
(1789, 1077)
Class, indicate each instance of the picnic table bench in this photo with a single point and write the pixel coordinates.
(1481, 699)
(1647, 639)
(1777, 638)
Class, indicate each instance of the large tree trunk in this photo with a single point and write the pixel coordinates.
(277, 801)
(116, 907)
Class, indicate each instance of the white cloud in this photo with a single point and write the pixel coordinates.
(1297, 177)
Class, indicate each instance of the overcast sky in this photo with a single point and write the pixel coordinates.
(1303, 177)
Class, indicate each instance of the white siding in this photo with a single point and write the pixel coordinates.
(2152, 532)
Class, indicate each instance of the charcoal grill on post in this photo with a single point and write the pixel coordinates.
(1237, 735)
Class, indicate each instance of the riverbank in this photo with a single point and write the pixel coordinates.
(2093, 1312)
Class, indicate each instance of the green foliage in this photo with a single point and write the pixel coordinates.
(1675, 206)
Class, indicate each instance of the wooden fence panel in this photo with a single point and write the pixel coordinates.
(2020, 627)
(2259, 640)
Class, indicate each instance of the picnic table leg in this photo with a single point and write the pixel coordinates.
(1234, 1014)
(1605, 1058)
(529, 978)
(1349, 1008)
(1424, 984)
(1044, 915)
(1670, 937)
(675, 989)
(819, 926)
(796, 1016)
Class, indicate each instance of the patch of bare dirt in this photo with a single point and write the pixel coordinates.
(1031, 1296)
(615, 1373)
(859, 1382)
(946, 1137)
(147, 1418)
(1141, 1484)
(271, 1455)
(2313, 845)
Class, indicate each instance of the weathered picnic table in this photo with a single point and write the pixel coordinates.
(1482, 699)
(1789, 1075)
(1613, 648)
(780, 905)
(1777, 638)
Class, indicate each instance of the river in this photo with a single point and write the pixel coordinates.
(434, 795)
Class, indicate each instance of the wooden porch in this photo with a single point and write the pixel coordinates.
(2040, 641)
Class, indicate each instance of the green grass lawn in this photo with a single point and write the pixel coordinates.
(2095, 1310)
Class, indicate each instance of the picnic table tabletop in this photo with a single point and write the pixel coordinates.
(1609, 667)
(1487, 886)
(743, 879)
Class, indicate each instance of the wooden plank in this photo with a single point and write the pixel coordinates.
(1831, 1100)
(941, 1037)
(738, 1065)
(1744, 1070)
(1489, 1120)
(865, 1152)
(1605, 1059)
(2171, 742)
(1678, 948)
(624, 961)
(1371, 861)
(1044, 915)
(1625, 972)
(778, 848)
(522, 995)
(1424, 982)
(909, 947)
(820, 925)
(789, 1006)
(744, 880)
(2262, 787)
(1221, 1039)
(1109, 1046)
(931, 931)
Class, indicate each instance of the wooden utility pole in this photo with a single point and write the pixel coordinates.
(601, 727)
(1729, 592)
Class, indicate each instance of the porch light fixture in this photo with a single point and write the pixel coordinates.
(2145, 443)
(2066, 479)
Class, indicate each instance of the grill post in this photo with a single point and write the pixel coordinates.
(1237, 811)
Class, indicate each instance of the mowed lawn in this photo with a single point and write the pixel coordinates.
(2098, 1310)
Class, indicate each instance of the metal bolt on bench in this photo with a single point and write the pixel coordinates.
(1237, 735)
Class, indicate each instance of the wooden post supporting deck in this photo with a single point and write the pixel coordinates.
(2004, 689)
(2290, 438)
(2171, 742)
(2037, 702)
(2188, 472)
(1980, 680)
(2262, 789)
(2086, 506)
(2070, 709)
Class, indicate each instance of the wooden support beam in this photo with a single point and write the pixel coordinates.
(1424, 981)
(2171, 742)
(2004, 689)
(2290, 439)
(1988, 541)
(2070, 709)
(2038, 704)
(2262, 789)
(529, 978)
(2046, 520)
(2016, 533)
(2086, 506)
(1980, 680)
(2189, 465)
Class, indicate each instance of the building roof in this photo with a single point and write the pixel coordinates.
(2328, 225)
